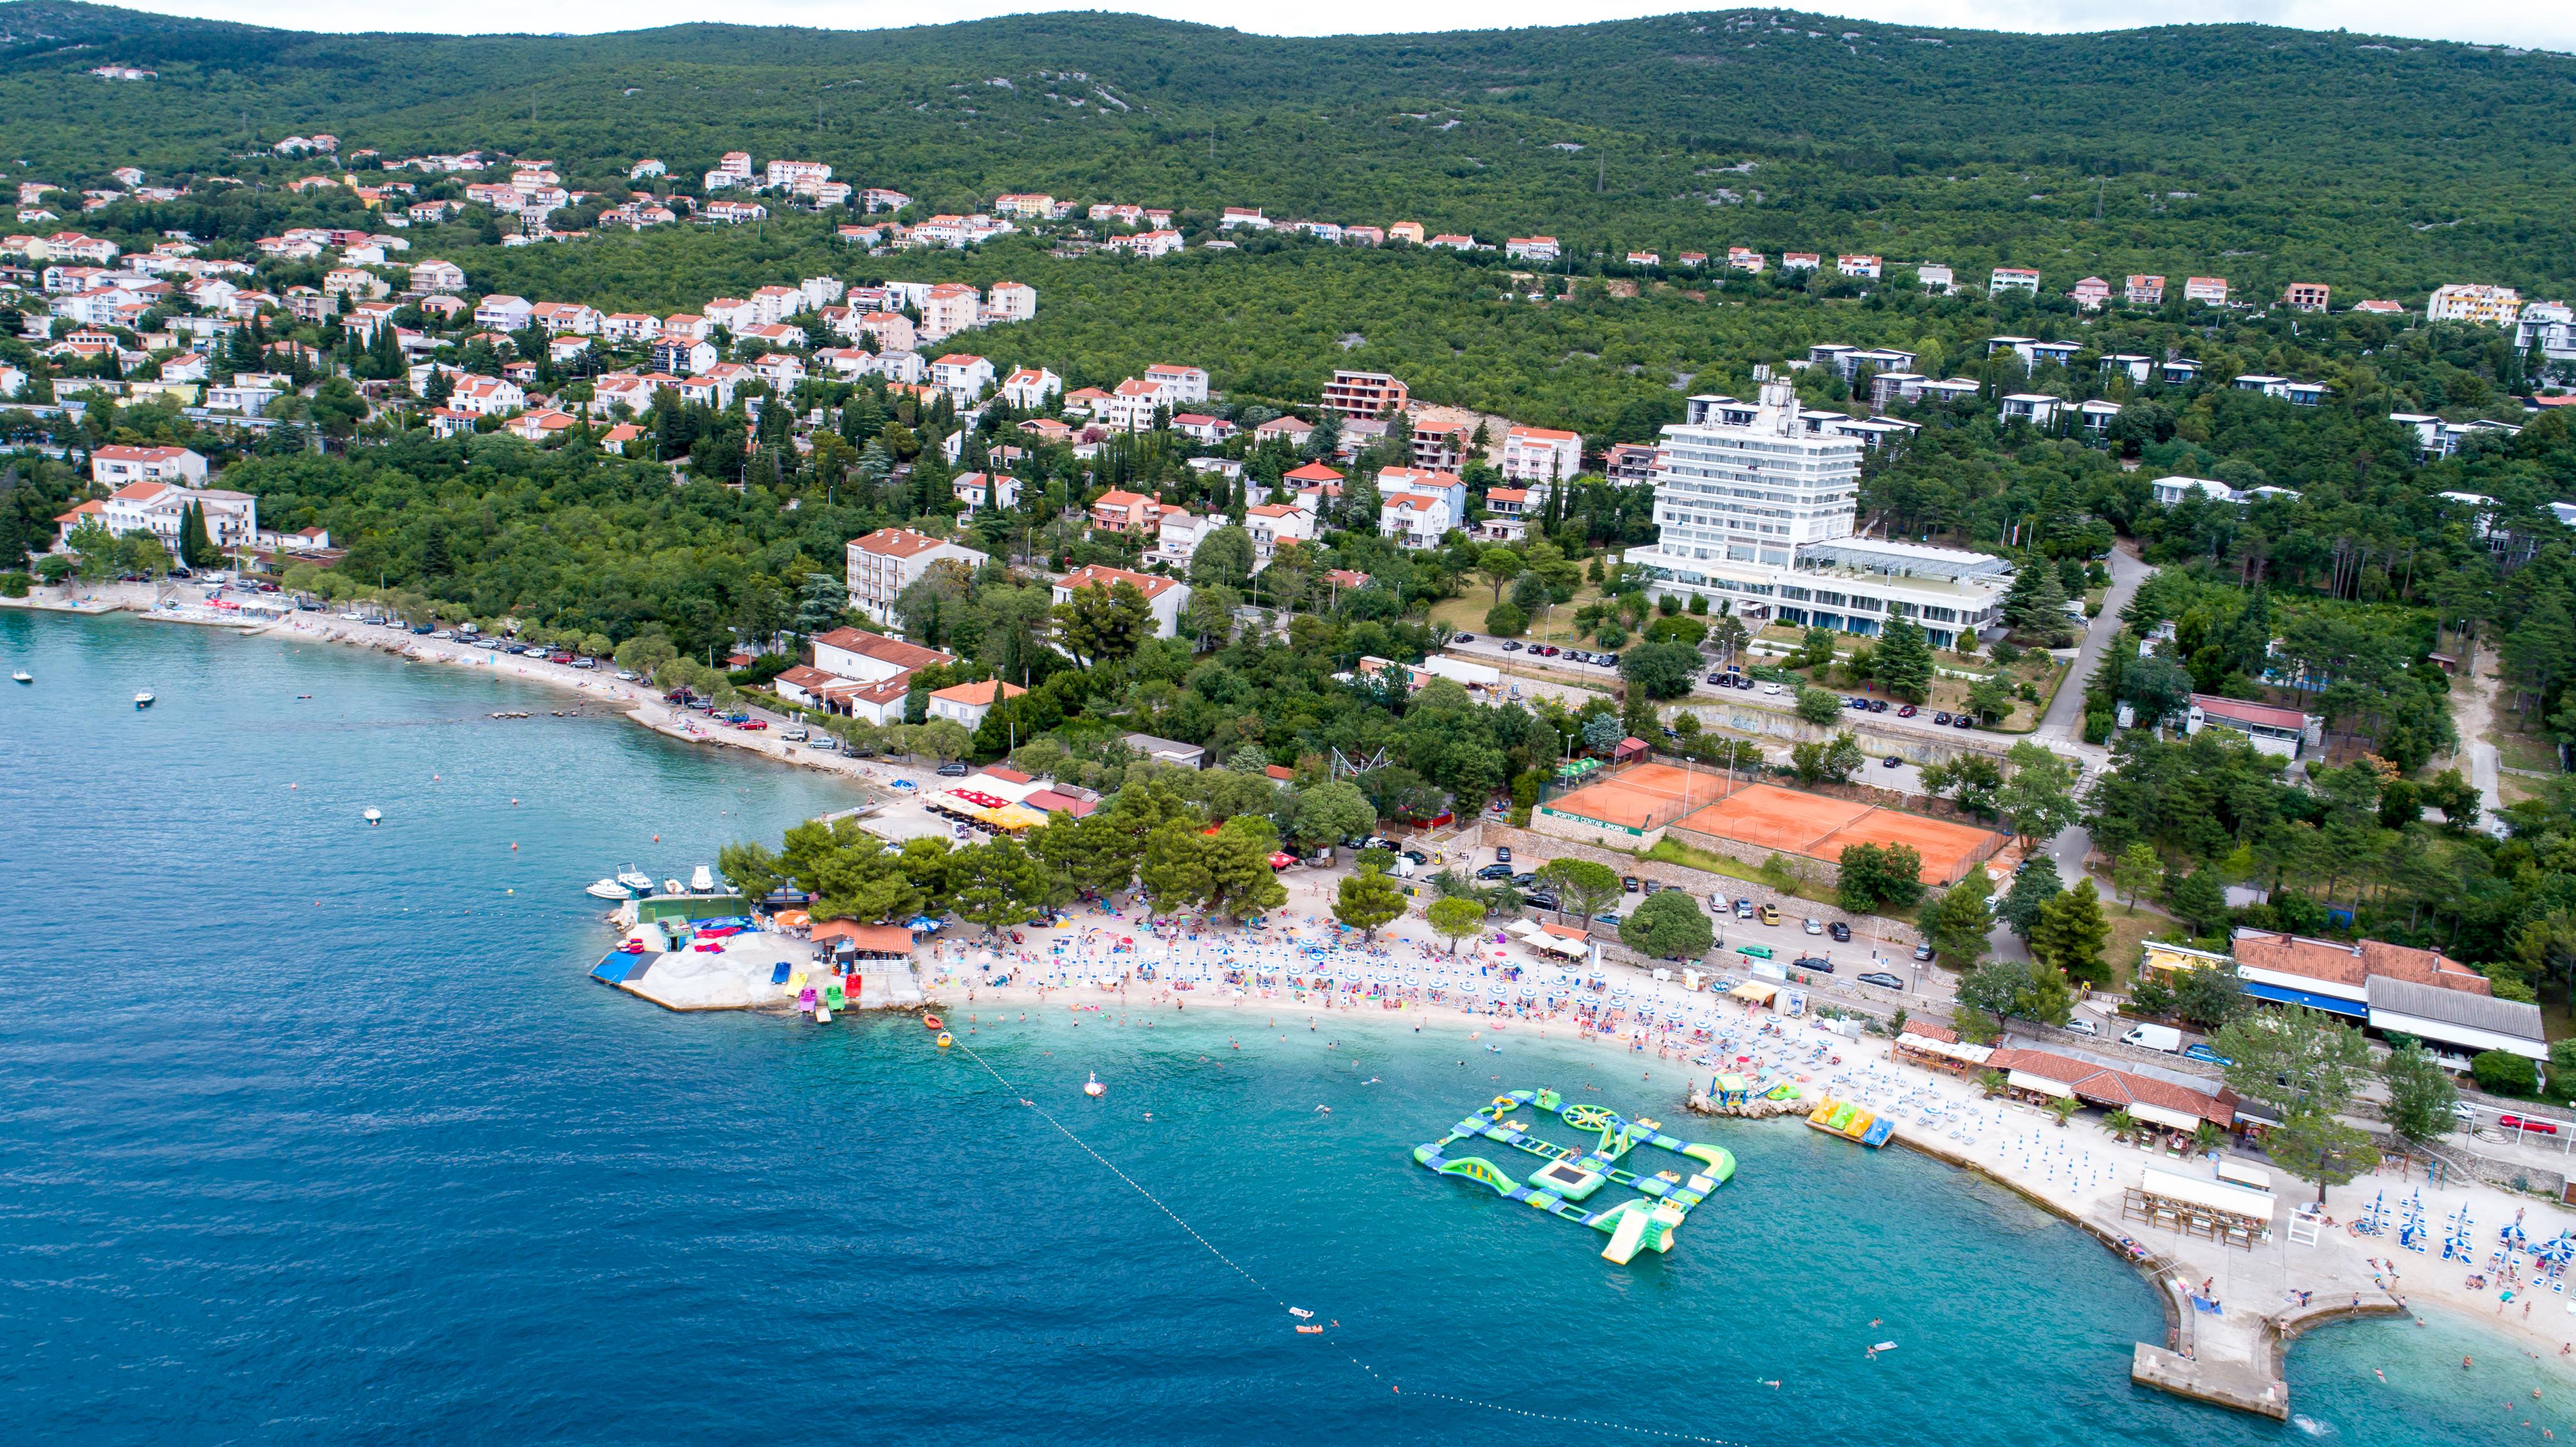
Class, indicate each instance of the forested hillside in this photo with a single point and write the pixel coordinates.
(2381, 166)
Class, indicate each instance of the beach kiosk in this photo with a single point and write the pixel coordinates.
(2222, 1211)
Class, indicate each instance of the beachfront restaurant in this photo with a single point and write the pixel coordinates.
(1939, 1048)
(847, 942)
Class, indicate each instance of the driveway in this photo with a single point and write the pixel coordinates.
(2475, 716)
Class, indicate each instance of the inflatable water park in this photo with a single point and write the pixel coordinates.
(1644, 1222)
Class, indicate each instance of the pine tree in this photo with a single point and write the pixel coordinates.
(1904, 664)
(2071, 933)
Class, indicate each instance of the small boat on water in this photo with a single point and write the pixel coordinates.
(373, 816)
(635, 879)
(22, 676)
(609, 889)
(931, 1022)
(702, 881)
(672, 886)
(143, 700)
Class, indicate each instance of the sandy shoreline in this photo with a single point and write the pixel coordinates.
(2268, 1296)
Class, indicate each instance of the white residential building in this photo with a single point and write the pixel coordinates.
(971, 488)
(1273, 523)
(1177, 537)
(1541, 454)
(1414, 520)
(1165, 596)
(2495, 306)
(963, 376)
(885, 562)
(2013, 278)
(1178, 384)
(968, 703)
(1030, 388)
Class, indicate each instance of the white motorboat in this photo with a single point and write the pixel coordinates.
(23, 676)
(635, 879)
(702, 881)
(143, 699)
(373, 815)
(609, 889)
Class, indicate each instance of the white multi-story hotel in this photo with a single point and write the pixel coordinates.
(1756, 509)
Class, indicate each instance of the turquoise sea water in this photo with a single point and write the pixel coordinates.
(317, 1132)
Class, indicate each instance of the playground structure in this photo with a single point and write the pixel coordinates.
(1645, 1222)
(1635, 805)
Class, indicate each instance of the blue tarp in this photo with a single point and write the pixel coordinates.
(737, 921)
(616, 967)
(2284, 995)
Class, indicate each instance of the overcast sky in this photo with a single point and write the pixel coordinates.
(2547, 24)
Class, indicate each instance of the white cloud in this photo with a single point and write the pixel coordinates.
(2528, 23)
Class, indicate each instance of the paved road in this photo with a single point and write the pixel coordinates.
(2065, 718)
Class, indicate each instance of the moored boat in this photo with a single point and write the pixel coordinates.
(143, 700)
(23, 676)
(702, 881)
(635, 880)
(609, 889)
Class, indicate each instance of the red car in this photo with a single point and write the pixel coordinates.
(2536, 1127)
(752, 725)
(1906, 712)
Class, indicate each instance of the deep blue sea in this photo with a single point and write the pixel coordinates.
(316, 1132)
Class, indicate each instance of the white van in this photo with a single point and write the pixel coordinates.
(2154, 1037)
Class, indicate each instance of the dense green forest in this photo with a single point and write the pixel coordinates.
(2381, 166)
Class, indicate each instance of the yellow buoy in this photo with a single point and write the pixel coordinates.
(946, 1040)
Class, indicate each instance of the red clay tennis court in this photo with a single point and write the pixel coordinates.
(1769, 817)
(1642, 796)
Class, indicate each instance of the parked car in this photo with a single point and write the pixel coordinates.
(2080, 1025)
(1611, 920)
(1962, 721)
(1856, 704)
(1512, 645)
(2202, 1053)
(1628, 883)
(1503, 854)
(1549, 651)
(1891, 762)
(1418, 857)
(1771, 914)
(793, 733)
(1744, 909)
(1923, 951)
(1524, 880)
(954, 771)
(1772, 688)
(1812, 925)
(1495, 871)
(1717, 680)
(1541, 899)
(1462, 637)
(752, 725)
(1878, 705)
(1817, 963)
(1941, 719)
(1608, 660)
(1906, 712)
(1882, 979)
(1654, 886)
(1840, 931)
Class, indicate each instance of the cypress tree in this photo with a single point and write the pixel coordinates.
(195, 548)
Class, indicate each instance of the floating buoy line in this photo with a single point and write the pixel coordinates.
(1303, 1315)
